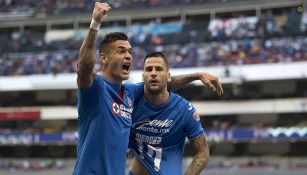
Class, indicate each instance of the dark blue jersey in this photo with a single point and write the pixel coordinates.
(103, 126)
(158, 133)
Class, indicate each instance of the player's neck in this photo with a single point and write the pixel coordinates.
(111, 79)
(156, 99)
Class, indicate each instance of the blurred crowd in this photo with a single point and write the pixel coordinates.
(232, 123)
(217, 42)
(33, 165)
(40, 63)
(233, 52)
(210, 123)
(61, 7)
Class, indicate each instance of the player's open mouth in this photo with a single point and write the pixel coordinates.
(153, 82)
(126, 66)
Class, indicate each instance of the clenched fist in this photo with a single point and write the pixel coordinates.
(100, 12)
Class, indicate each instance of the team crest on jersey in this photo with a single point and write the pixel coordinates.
(115, 108)
(196, 116)
(129, 102)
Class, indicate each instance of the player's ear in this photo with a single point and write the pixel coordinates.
(103, 58)
(169, 78)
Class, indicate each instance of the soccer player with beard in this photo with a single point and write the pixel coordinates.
(161, 124)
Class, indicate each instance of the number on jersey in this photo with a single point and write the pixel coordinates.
(154, 153)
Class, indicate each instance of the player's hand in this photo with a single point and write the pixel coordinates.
(211, 81)
(129, 153)
(100, 11)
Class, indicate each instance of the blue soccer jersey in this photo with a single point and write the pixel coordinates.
(158, 134)
(103, 126)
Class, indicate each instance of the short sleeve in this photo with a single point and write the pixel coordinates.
(90, 94)
(192, 128)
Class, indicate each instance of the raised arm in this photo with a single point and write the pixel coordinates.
(201, 158)
(209, 80)
(87, 57)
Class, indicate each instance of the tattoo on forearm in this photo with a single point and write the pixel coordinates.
(181, 80)
(201, 158)
(90, 41)
(86, 68)
(87, 59)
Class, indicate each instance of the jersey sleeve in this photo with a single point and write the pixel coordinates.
(89, 96)
(192, 128)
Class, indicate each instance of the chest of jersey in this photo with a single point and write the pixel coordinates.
(157, 127)
(118, 108)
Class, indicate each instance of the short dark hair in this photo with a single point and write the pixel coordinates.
(158, 54)
(111, 38)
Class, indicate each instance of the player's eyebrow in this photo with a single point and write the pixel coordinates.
(154, 66)
(123, 47)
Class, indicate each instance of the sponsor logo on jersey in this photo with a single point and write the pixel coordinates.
(121, 110)
(154, 126)
(154, 123)
(196, 116)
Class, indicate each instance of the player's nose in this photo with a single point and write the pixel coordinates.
(128, 57)
(153, 73)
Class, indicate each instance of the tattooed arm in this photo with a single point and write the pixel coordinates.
(87, 57)
(87, 60)
(201, 158)
(209, 80)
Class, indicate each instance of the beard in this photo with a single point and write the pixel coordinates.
(158, 89)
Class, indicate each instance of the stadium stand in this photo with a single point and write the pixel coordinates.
(257, 47)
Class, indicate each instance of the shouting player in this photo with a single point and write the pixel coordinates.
(160, 125)
(105, 105)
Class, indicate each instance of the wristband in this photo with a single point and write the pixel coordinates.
(95, 25)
